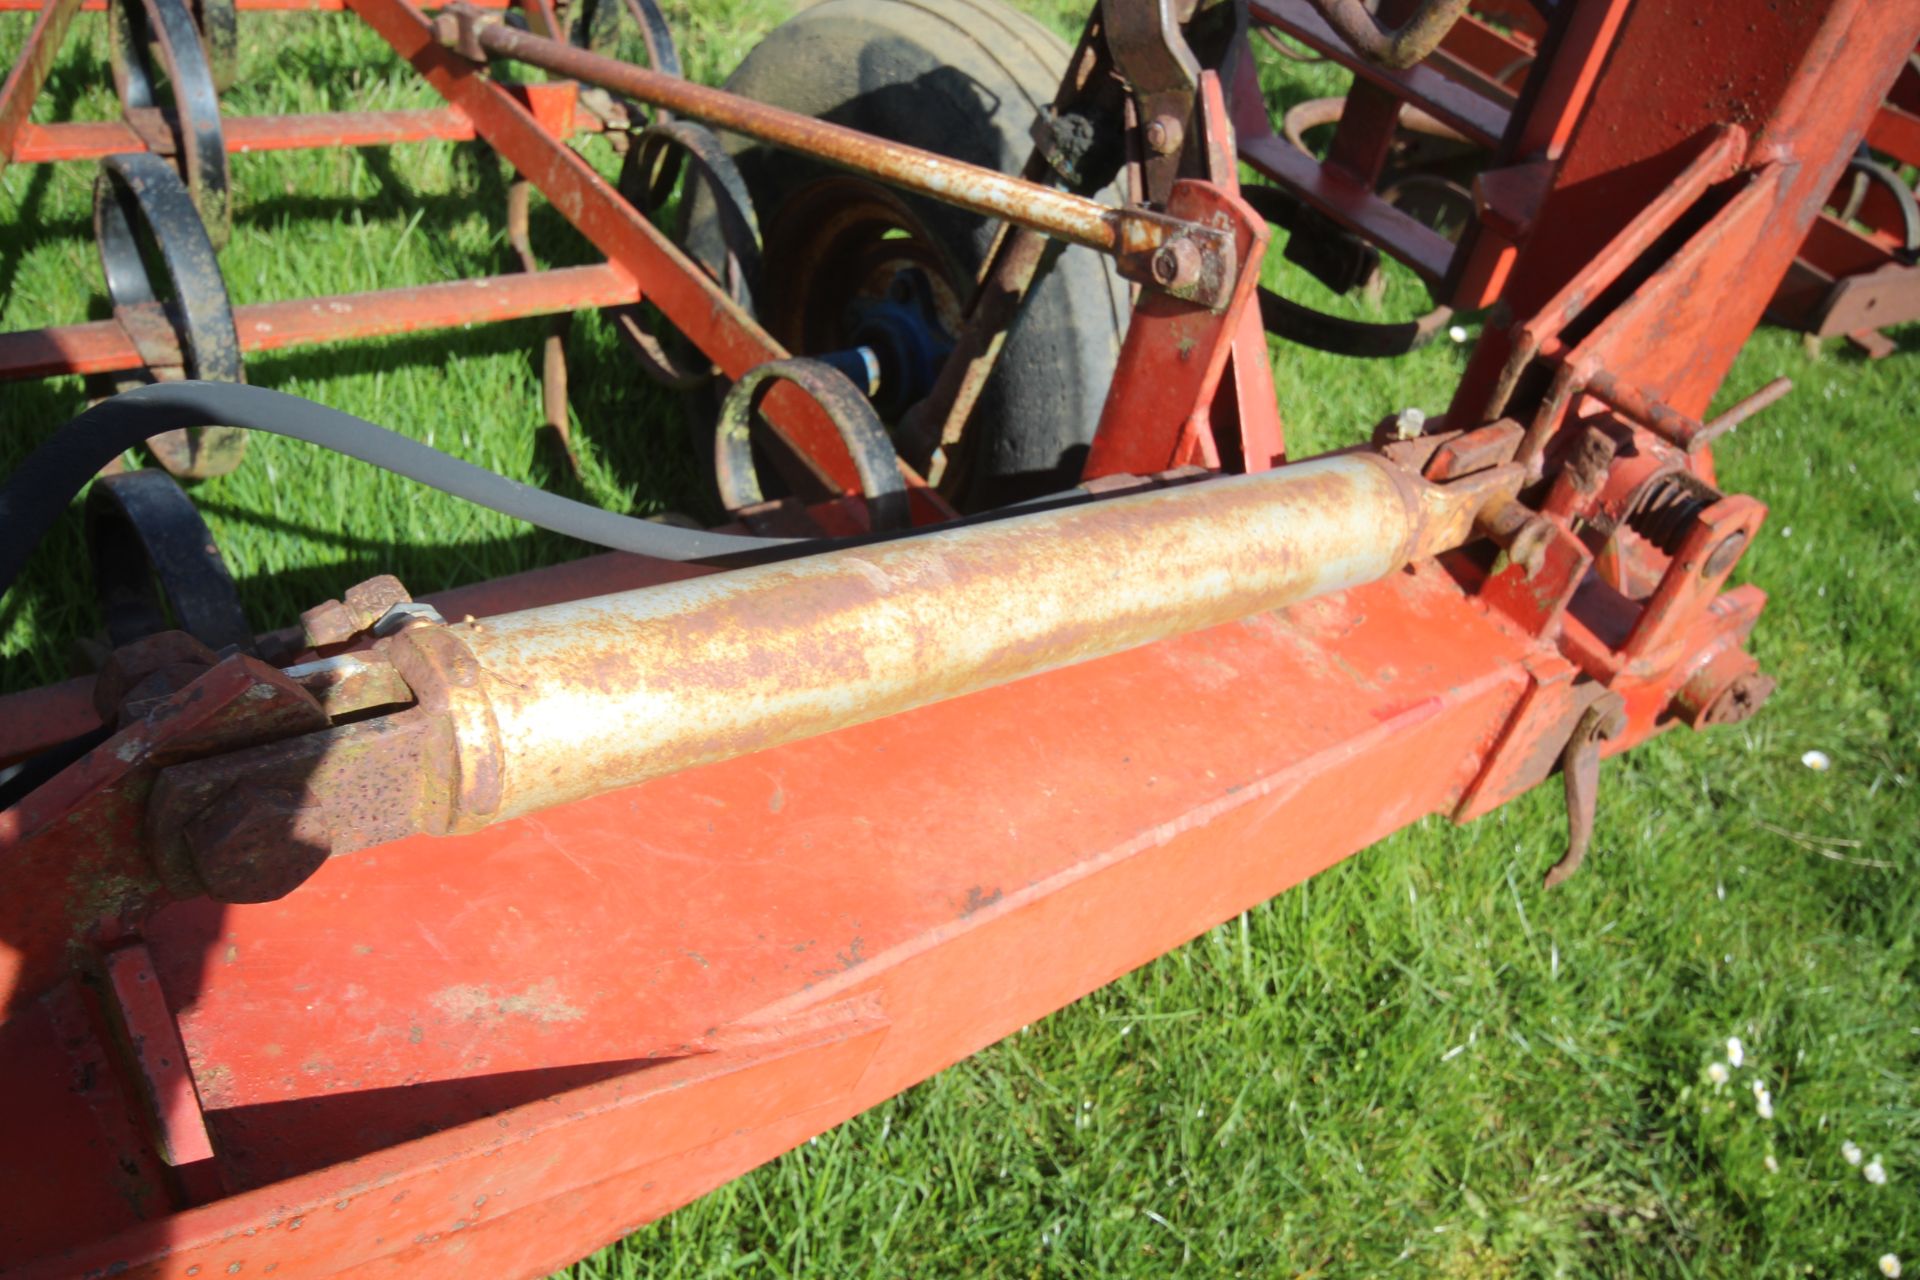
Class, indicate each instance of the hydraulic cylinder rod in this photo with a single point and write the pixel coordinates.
(528, 710)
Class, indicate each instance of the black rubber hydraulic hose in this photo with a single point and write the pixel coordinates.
(41, 488)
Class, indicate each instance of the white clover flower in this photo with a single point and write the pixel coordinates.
(1718, 1073)
(1816, 761)
(1850, 1152)
(1736, 1052)
(1875, 1172)
(1773, 1166)
(1890, 1266)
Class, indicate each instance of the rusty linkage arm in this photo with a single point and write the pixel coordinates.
(1395, 48)
(1134, 236)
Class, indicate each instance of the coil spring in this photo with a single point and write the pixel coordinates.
(1666, 507)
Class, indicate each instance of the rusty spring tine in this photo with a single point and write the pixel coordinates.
(866, 441)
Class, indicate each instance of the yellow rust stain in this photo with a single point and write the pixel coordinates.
(475, 1002)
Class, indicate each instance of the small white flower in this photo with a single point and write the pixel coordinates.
(1763, 1103)
(1875, 1172)
(1718, 1073)
(1816, 761)
(1458, 333)
(1773, 1166)
(1850, 1152)
(1890, 1266)
(1736, 1052)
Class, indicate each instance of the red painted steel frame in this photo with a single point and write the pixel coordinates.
(107, 346)
(90, 140)
(778, 951)
(500, 1050)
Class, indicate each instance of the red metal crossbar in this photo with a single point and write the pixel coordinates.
(108, 346)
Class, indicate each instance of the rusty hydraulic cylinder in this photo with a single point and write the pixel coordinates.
(528, 710)
(603, 693)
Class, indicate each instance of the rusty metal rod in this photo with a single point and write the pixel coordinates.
(1739, 413)
(584, 697)
(984, 191)
(1656, 416)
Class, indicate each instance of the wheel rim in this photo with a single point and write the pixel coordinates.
(839, 242)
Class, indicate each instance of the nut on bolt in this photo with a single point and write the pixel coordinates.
(151, 666)
(1740, 699)
(458, 27)
(1176, 264)
(1164, 135)
(256, 844)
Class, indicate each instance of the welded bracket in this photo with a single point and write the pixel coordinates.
(1151, 53)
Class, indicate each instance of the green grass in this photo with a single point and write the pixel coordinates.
(1415, 1064)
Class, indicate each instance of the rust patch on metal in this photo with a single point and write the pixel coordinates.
(540, 1002)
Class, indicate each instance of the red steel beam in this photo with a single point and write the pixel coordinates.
(1352, 205)
(29, 72)
(726, 961)
(105, 346)
(1897, 133)
(91, 139)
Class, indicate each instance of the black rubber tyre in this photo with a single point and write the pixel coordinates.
(965, 78)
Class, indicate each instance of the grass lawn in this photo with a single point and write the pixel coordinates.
(1417, 1063)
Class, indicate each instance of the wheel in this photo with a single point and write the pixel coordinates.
(965, 78)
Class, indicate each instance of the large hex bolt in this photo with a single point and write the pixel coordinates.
(1739, 700)
(256, 844)
(338, 621)
(1726, 689)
